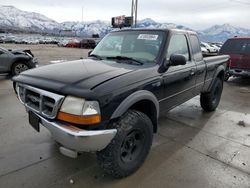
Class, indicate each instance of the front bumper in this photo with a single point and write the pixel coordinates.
(77, 139)
(239, 72)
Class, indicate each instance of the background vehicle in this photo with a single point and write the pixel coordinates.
(62, 43)
(112, 102)
(215, 47)
(73, 44)
(16, 61)
(209, 48)
(204, 50)
(88, 43)
(239, 50)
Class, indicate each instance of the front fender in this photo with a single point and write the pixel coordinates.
(134, 98)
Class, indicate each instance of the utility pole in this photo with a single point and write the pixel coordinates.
(134, 11)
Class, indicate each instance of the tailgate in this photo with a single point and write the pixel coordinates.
(240, 61)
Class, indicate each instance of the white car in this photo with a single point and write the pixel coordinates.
(204, 50)
(209, 48)
(216, 47)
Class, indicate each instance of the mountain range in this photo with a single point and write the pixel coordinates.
(13, 19)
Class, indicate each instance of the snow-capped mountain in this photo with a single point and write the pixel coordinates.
(222, 32)
(149, 23)
(88, 28)
(15, 19)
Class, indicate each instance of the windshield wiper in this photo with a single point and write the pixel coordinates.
(126, 58)
(96, 56)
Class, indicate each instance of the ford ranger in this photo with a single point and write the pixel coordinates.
(110, 102)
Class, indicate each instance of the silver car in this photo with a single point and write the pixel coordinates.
(16, 61)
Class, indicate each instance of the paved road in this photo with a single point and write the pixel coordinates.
(45, 53)
(191, 149)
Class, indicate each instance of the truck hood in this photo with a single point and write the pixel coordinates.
(82, 75)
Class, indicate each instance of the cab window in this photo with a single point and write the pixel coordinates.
(196, 49)
(178, 45)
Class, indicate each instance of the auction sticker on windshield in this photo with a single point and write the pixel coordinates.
(147, 37)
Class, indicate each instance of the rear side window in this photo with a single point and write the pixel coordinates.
(236, 46)
(178, 45)
(196, 49)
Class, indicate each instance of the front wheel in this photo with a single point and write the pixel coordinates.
(210, 101)
(130, 147)
(19, 67)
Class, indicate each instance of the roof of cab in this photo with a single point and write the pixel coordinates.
(241, 37)
(163, 30)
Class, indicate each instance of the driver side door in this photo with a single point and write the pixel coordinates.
(179, 81)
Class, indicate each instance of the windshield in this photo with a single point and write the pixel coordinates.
(141, 45)
(236, 46)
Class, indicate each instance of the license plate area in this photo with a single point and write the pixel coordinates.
(34, 121)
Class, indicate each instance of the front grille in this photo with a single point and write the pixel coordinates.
(43, 102)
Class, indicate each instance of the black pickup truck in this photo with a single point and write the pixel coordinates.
(110, 102)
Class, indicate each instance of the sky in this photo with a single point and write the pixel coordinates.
(196, 14)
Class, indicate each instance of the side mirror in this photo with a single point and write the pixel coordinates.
(90, 52)
(177, 59)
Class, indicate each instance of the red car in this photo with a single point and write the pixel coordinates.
(73, 44)
(239, 50)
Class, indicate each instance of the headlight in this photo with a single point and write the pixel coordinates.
(79, 111)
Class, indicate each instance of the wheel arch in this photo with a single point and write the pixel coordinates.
(19, 59)
(143, 101)
(219, 73)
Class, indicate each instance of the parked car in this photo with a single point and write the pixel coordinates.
(87, 43)
(16, 61)
(112, 101)
(204, 50)
(218, 44)
(239, 50)
(209, 48)
(9, 39)
(62, 43)
(215, 47)
(73, 44)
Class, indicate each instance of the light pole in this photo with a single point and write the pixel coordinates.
(134, 11)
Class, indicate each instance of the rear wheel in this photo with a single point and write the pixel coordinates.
(210, 101)
(130, 147)
(19, 67)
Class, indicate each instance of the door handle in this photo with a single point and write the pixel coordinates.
(192, 72)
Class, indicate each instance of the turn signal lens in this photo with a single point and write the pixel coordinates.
(82, 120)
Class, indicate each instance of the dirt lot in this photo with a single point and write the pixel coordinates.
(46, 53)
(191, 149)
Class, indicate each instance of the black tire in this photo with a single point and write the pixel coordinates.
(19, 67)
(210, 101)
(130, 147)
